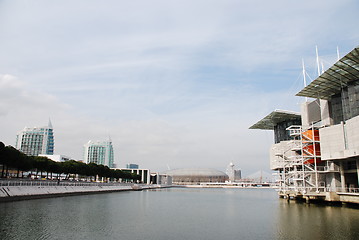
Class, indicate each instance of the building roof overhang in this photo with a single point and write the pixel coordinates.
(275, 117)
(335, 78)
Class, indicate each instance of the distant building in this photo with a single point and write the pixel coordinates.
(233, 174)
(35, 141)
(99, 153)
(144, 173)
(195, 176)
(131, 166)
(237, 175)
(56, 158)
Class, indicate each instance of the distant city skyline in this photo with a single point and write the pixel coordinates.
(176, 84)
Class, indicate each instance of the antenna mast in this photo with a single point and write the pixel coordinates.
(304, 77)
(316, 51)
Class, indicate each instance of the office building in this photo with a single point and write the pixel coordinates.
(35, 141)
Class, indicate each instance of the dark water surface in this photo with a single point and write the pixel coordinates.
(176, 214)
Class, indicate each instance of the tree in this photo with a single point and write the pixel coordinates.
(2, 158)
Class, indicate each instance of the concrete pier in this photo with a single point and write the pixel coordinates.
(329, 197)
(13, 191)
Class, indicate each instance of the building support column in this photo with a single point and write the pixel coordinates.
(342, 177)
(358, 170)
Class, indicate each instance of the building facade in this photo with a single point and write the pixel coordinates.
(35, 141)
(320, 160)
(233, 174)
(144, 173)
(56, 158)
(132, 166)
(196, 176)
(99, 152)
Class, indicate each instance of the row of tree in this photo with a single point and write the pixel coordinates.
(13, 159)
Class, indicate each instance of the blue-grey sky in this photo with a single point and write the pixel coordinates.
(173, 83)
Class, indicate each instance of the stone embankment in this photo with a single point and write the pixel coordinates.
(11, 190)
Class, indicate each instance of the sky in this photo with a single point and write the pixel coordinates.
(173, 84)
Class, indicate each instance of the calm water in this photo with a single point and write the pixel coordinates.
(176, 214)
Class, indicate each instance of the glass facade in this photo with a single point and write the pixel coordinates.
(36, 141)
(345, 105)
(99, 153)
(280, 130)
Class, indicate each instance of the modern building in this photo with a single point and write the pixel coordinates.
(316, 153)
(237, 175)
(35, 141)
(233, 174)
(56, 158)
(195, 176)
(132, 166)
(144, 173)
(99, 153)
(163, 179)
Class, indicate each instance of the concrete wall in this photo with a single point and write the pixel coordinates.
(340, 141)
(352, 131)
(315, 111)
(349, 198)
(16, 191)
(332, 143)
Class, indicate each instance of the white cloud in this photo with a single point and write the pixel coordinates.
(173, 82)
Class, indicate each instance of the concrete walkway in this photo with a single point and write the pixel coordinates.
(21, 190)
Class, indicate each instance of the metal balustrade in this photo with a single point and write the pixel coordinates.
(7, 183)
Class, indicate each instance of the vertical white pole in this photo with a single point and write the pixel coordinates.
(304, 77)
(338, 55)
(316, 51)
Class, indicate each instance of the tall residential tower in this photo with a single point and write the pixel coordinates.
(37, 140)
(99, 153)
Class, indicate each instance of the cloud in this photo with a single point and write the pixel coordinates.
(173, 83)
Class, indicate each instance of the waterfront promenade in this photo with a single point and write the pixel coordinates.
(11, 190)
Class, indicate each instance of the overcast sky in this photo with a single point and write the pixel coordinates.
(173, 83)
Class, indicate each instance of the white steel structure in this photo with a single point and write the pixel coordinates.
(35, 141)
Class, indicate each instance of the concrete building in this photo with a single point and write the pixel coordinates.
(316, 153)
(233, 174)
(144, 173)
(35, 141)
(99, 153)
(237, 175)
(196, 176)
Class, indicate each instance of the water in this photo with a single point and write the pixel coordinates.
(176, 214)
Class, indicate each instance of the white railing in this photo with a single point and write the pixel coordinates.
(7, 183)
(347, 190)
(314, 190)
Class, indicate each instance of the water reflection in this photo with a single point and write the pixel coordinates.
(176, 214)
(313, 221)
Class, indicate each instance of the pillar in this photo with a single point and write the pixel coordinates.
(342, 177)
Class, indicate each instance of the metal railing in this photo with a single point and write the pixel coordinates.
(314, 190)
(347, 190)
(44, 183)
